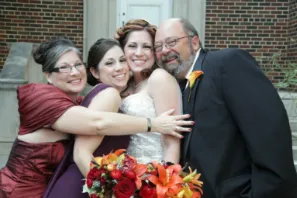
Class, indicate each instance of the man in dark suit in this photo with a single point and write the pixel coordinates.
(241, 140)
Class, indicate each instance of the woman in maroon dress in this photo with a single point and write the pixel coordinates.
(49, 112)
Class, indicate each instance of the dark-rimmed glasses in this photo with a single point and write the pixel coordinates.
(169, 43)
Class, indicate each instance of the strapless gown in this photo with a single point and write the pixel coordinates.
(145, 147)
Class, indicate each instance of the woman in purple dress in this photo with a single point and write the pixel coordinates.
(106, 66)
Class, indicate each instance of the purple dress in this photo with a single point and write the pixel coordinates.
(68, 182)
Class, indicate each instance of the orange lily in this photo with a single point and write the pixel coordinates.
(174, 190)
(139, 170)
(193, 76)
(167, 179)
(192, 79)
(119, 152)
(107, 159)
(112, 158)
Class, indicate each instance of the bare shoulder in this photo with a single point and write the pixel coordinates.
(160, 75)
(161, 80)
(109, 92)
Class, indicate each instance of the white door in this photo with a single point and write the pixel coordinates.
(154, 11)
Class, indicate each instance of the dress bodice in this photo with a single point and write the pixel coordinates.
(145, 147)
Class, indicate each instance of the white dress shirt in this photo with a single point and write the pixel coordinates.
(192, 66)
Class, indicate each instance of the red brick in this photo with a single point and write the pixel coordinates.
(243, 25)
(270, 23)
(15, 20)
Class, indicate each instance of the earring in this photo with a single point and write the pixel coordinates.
(131, 74)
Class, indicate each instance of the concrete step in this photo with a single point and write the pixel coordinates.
(294, 138)
(293, 124)
(295, 152)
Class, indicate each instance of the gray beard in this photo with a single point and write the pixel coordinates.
(180, 68)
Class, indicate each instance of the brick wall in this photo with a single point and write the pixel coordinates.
(39, 20)
(292, 47)
(259, 26)
(263, 27)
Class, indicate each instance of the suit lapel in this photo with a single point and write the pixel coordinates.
(189, 104)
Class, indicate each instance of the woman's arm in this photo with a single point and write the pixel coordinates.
(83, 121)
(84, 147)
(166, 95)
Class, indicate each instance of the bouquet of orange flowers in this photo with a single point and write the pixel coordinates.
(118, 174)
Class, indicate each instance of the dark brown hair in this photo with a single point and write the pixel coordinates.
(122, 35)
(96, 53)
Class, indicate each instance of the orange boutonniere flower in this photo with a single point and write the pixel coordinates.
(192, 79)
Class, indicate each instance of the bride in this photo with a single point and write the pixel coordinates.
(154, 91)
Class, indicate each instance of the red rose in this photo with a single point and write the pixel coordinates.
(100, 172)
(94, 196)
(116, 174)
(148, 192)
(93, 173)
(102, 181)
(89, 183)
(130, 174)
(125, 188)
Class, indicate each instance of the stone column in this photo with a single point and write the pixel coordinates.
(9, 116)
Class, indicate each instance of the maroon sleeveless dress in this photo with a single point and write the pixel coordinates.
(69, 182)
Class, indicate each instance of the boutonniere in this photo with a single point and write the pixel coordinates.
(192, 79)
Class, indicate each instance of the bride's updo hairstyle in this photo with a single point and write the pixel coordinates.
(123, 33)
(48, 53)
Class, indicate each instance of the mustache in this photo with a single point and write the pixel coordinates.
(170, 56)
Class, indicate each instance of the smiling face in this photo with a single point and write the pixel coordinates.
(113, 69)
(73, 82)
(177, 49)
(139, 51)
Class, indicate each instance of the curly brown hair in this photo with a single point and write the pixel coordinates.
(122, 35)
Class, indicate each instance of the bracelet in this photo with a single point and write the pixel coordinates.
(149, 124)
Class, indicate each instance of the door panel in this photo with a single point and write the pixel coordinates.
(154, 11)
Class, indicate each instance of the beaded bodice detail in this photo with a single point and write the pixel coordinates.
(145, 147)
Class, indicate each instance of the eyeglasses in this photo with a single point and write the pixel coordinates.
(68, 68)
(169, 43)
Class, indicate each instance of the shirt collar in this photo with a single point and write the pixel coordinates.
(192, 66)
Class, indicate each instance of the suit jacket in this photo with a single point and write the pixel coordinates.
(241, 140)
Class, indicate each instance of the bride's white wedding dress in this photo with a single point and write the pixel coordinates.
(145, 147)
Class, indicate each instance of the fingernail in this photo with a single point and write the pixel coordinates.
(193, 122)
